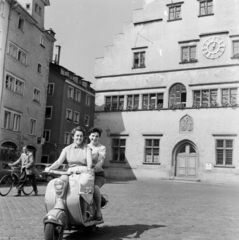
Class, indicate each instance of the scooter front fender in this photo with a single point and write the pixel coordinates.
(57, 217)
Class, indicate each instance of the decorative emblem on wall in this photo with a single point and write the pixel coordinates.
(213, 47)
(186, 124)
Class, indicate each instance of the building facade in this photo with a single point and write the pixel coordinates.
(167, 93)
(70, 103)
(25, 71)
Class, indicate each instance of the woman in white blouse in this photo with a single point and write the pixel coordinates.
(98, 157)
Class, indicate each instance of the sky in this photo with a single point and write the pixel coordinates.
(84, 27)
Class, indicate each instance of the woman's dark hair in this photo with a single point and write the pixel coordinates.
(80, 129)
(94, 129)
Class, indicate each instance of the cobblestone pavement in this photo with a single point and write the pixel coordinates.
(147, 210)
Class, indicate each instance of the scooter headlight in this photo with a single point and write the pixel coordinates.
(59, 187)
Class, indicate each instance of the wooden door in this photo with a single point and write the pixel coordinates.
(186, 161)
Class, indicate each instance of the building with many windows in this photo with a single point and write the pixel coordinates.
(167, 93)
(26, 53)
(70, 103)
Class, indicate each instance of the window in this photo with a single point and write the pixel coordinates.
(152, 150)
(87, 100)
(9, 83)
(229, 96)
(39, 68)
(42, 41)
(7, 119)
(21, 22)
(177, 95)
(67, 138)
(69, 114)
(114, 102)
(36, 95)
(152, 101)
(38, 9)
(12, 120)
(16, 122)
(205, 98)
(19, 87)
(175, 12)
(139, 60)
(47, 135)
(70, 93)
(188, 54)
(235, 49)
(206, 7)
(118, 147)
(17, 53)
(22, 56)
(76, 117)
(77, 95)
(87, 121)
(28, 6)
(50, 89)
(224, 152)
(48, 114)
(32, 127)
(132, 101)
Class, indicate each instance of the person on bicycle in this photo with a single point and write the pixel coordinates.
(27, 170)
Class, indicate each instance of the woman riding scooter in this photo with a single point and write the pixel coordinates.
(98, 157)
(77, 155)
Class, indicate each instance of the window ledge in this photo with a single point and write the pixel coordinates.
(36, 102)
(224, 166)
(151, 163)
(139, 67)
(206, 15)
(42, 46)
(172, 20)
(112, 161)
(186, 62)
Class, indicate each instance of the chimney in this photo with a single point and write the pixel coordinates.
(58, 55)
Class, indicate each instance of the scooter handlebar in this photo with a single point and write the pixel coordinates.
(67, 173)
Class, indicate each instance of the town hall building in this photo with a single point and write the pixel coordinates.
(167, 93)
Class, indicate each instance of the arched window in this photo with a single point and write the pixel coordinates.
(9, 151)
(177, 95)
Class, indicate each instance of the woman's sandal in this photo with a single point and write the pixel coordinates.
(99, 218)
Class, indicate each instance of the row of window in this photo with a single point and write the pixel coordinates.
(16, 85)
(69, 116)
(188, 55)
(177, 96)
(21, 55)
(75, 94)
(224, 151)
(175, 9)
(12, 121)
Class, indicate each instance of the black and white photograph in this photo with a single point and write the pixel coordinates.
(119, 119)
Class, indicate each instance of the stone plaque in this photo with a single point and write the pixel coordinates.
(186, 124)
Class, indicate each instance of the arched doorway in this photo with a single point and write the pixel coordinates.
(9, 151)
(33, 150)
(186, 160)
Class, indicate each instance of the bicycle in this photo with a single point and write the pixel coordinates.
(11, 179)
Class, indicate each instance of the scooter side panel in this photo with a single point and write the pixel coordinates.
(73, 203)
(50, 196)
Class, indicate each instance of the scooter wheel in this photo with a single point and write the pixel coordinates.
(53, 232)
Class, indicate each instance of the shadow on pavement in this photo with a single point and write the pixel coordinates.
(113, 232)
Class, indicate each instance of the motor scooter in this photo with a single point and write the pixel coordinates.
(69, 205)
